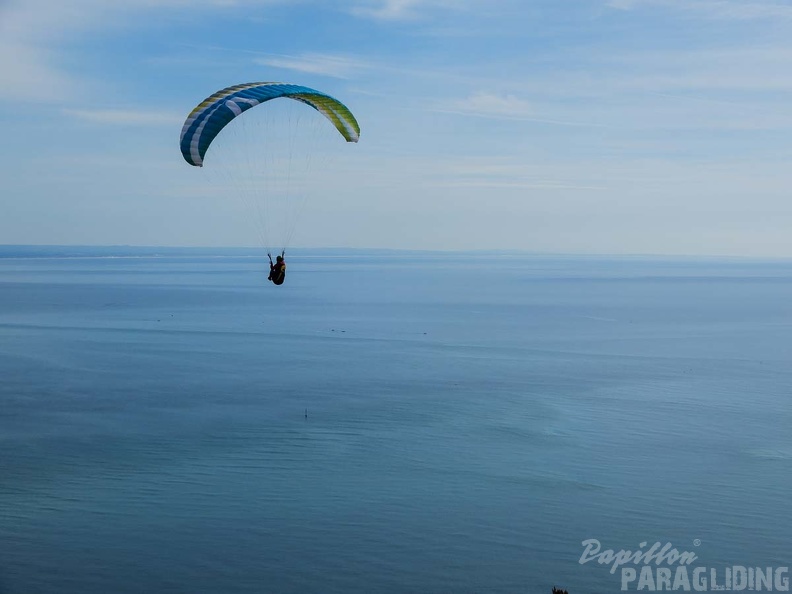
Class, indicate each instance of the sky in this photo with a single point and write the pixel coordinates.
(560, 126)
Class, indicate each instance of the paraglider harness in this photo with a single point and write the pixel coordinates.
(277, 271)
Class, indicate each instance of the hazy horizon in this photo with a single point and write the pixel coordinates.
(261, 251)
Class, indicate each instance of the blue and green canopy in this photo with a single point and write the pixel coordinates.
(211, 115)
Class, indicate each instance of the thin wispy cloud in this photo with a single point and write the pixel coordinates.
(714, 9)
(33, 62)
(30, 65)
(747, 69)
(500, 107)
(344, 66)
(388, 10)
(514, 185)
(31, 73)
(505, 173)
(489, 104)
(125, 117)
(403, 10)
(335, 66)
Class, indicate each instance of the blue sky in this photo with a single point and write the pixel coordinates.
(597, 126)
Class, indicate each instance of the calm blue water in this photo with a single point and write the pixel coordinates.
(471, 420)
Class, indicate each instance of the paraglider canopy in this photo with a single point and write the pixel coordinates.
(211, 115)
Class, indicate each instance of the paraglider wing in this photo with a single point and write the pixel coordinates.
(210, 116)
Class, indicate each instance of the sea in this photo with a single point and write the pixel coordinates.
(389, 421)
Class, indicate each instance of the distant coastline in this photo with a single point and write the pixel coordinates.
(23, 251)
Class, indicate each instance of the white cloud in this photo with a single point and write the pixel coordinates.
(32, 34)
(503, 107)
(488, 104)
(714, 9)
(742, 69)
(403, 10)
(29, 34)
(325, 64)
(516, 185)
(389, 10)
(30, 73)
(125, 116)
(505, 173)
